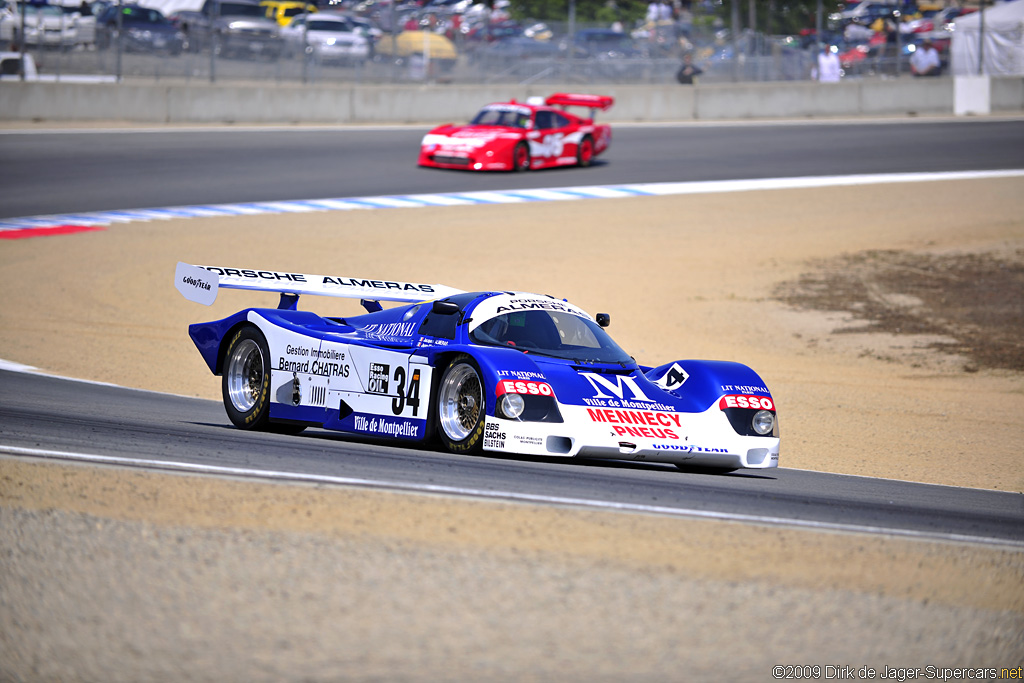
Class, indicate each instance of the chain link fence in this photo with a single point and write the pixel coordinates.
(582, 55)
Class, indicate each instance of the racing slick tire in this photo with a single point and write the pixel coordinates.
(585, 152)
(521, 157)
(461, 405)
(245, 381)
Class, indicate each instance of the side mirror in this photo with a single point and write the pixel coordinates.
(444, 307)
(604, 320)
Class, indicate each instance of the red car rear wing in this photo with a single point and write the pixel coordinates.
(602, 102)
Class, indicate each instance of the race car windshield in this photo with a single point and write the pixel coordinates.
(551, 333)
(501, 117)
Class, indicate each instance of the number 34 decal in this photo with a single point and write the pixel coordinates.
(407, 396)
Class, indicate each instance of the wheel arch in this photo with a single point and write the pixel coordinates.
(707, 381)
(225, 342)
(211, 338)
(492, 362)
(587, 138)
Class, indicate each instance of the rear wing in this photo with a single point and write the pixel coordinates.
(200, 284)
(561, 99)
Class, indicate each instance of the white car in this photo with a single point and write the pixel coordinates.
(85, 24)
(45, 26)
(326, 37)
(485, 371)
(367, 28)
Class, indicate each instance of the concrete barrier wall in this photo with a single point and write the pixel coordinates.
(1007, 94)
(190, 102)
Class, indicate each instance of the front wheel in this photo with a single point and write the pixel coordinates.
(246, 380)
(461, 406)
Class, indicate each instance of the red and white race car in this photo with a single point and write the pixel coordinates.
(516, 136)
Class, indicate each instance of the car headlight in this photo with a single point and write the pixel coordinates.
(763, 422)
(512, 405)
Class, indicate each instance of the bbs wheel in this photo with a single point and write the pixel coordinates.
(246, 380)
(521, 157)
(585, 152)
(461, 406)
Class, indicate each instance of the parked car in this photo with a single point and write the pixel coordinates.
(84, 19)
(506, 53)
(326, 37)
(11, 65)
(940, 21)
(866, 12)
(600, 43)
(283, 11)
(370, 30)
(45, 26)
(862, 57)
(230, 27)
(142, 29)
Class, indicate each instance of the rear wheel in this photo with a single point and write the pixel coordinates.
(521, 157)
(585, 152)
(246, 380)
(461, 406)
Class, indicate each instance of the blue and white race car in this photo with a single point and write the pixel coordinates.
(477, 371)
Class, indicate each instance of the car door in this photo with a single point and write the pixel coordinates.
(550, 143)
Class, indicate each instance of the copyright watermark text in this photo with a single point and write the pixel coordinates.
(831, 672)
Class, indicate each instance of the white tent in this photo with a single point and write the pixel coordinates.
(1002, 41)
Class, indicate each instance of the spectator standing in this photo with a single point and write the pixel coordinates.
(652, 12)
(688, 71)
(829, 69)
(925, 60)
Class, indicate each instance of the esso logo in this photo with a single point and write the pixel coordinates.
(509, 386)
(739, 401)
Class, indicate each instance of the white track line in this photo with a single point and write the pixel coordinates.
(272, 475)
(493, 197)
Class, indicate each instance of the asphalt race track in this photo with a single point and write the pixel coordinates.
(51, 172)
(96, 170)
(59, 418)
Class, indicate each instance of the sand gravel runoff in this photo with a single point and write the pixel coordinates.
(110, 574)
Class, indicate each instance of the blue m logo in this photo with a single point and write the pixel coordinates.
(616, 386)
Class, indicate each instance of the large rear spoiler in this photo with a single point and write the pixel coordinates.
(200, 284)
(561, 99)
